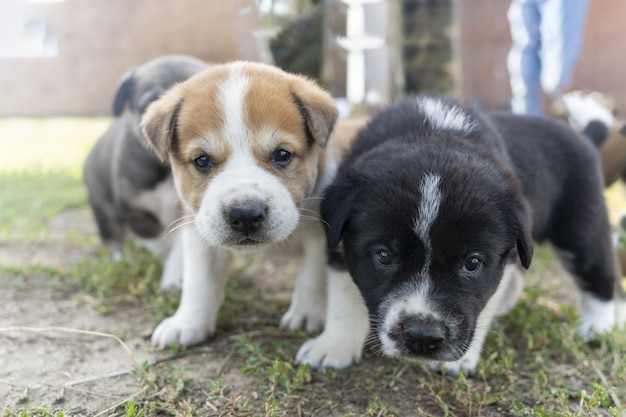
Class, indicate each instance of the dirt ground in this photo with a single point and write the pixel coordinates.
(45, 362)
(89, 374)
(54, 367)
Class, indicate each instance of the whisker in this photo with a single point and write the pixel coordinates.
(311, 198)
(313, 212)
(180, 219)
(168, 232)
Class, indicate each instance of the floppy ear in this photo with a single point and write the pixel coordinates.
(123, 92)
(524, 238)
(317, 109)
(159, 122)
(335, 211)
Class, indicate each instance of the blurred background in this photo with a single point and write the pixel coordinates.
(61, 60)
(64, 57)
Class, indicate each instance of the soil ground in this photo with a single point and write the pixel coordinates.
(45, 362)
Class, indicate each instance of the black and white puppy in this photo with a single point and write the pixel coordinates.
(435, 202)
(129, 187)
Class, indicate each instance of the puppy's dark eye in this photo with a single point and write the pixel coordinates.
(281, 157)
(203, 163)
(383, 258)
(472, 265)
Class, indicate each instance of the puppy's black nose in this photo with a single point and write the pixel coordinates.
(422, 339)
(246, 219)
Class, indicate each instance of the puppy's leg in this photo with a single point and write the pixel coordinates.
(590, 258)
(173, 264)
(498, 302)
(111, 230)
(205, 271)
(347, 325)
(514, 290)
(595, 274)
(597, 315)
(308, 303)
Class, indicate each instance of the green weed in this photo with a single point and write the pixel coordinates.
(133, 279)
(39, 412)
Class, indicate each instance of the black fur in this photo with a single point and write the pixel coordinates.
(508, 180)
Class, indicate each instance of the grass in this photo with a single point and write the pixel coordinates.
(132, 280)
(29, 199)
(40, 170)
(534, 364)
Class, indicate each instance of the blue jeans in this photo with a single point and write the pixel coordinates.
(547, 38)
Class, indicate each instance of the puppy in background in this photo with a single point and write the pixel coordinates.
(583, 109)
(434, 206)
(129, 188)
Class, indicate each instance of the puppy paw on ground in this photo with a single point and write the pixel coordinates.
(596, 316)
(467, 364)
(311, 320)
(589, 330)
(170, 283)
(180, 330)
(330, 351)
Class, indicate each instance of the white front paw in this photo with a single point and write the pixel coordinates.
(170, 282)
(596, 316)
(183, 330)
(310, 319)
(590, 329)
(333, 351)
(467, 364)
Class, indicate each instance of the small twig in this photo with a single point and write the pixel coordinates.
(91, 392)
(75, 331)
(602, 377)
(185, 354)
(97, 377)
(4, 381)
(398, 375)
(254, 333)
(211, 406)
(124, 401)
(230, 354)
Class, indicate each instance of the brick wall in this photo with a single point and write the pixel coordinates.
(99, 39)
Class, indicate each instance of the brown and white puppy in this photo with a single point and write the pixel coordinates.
(129, 188)
(246, 143)
(583, 108)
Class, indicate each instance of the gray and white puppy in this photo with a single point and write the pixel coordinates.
(129, 188)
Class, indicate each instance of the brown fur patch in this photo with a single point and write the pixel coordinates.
(613, 154)
(270, 114)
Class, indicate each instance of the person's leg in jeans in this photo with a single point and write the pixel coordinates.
(523, 61)
(562, 27)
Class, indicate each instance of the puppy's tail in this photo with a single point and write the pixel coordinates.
(590, 114)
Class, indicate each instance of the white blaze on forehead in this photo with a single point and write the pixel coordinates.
(413, 299)
(429, 205)
(232, 94)
(242, 179)
(445, 116)
(427, 211)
